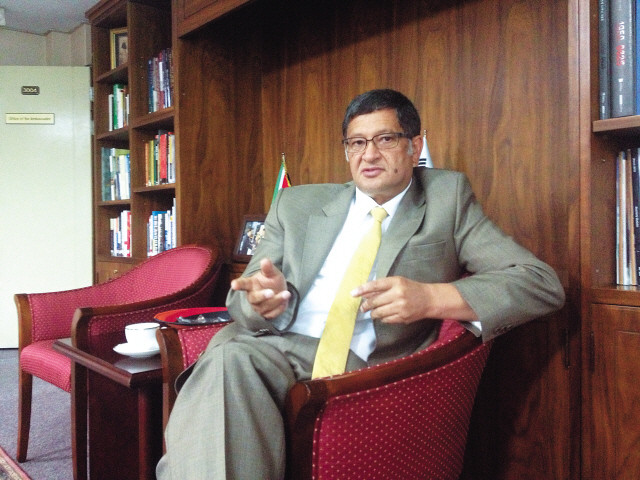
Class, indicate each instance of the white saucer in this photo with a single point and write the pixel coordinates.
(136, 352)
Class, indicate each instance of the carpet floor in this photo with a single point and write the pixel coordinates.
(49, 455)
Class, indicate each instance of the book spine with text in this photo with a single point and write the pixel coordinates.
(622, 58)
(604, 66)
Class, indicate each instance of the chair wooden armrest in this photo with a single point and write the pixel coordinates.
(306, 399)
(172, 366)
(25, 319)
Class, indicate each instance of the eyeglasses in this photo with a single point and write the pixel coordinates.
(383, 141)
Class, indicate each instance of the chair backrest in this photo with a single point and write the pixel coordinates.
(164, 274)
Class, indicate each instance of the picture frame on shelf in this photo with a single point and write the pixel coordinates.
(251, 232)
(119, 41)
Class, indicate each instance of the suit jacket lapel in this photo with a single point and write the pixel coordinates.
(322, 231)
(404, 224)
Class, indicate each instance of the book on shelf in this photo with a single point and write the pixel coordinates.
(604, 58)
(160, 155)
(118, 107)
(120, 234)
(618, 65)
(160, 80)
(628, 217)
(161, 230)
(116, 174)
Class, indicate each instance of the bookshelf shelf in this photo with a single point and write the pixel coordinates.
(622, 126)
(621, 295)
(119, 74)
(114, 203)
(162, 119)
(166, 188)
(118, 135)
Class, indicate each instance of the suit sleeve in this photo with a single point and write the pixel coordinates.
(509, 285)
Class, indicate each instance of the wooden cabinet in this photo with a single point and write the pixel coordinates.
(612, 427)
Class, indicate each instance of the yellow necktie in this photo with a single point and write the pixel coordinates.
(333, 348)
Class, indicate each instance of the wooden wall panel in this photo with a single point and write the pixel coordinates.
(220, 146)
(490, 79)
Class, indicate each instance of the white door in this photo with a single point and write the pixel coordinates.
(45, 186)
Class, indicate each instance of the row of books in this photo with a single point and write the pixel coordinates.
(628, 217)
(161, 231)
(119, 107)
(160, 74)
(120, 231)
(160, 159)
(116, 174)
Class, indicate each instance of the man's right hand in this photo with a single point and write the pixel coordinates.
(266, 290)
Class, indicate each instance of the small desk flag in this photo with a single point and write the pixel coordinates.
(283, 180)
(425, 157)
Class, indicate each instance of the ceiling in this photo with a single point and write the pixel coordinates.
(42, 16)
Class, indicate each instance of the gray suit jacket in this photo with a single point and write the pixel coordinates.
(438, 232)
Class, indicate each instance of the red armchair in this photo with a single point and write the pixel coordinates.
(178, 278)
(399, 420)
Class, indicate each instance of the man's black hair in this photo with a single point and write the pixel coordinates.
(381, 99)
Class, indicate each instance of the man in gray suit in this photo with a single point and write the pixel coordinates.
(227, 420)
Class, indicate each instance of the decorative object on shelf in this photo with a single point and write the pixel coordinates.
(252, 232)
(283, 179)
(119, 46)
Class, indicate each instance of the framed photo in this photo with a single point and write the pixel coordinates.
(251, 233)
(119, 47)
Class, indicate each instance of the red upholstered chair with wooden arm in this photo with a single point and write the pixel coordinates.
(178, 278)
(405, 419)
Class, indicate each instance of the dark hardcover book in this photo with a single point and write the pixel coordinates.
(622, 58)
(604, 26)
(150, 84)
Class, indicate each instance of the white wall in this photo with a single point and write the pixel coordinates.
(53, 49)
(24, 265)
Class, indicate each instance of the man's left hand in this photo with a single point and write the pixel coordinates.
(400, 300)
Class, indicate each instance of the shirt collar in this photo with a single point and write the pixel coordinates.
(364, 203)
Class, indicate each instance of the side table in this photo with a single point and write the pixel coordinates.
(122, 398)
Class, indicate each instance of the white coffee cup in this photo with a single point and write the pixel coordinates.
(142, 335)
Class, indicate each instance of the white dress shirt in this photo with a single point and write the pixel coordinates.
(314, 307)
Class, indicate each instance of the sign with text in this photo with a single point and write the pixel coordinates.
(31, 118)
(30, 90)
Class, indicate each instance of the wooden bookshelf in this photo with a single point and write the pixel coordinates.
(149, 31)
(610, 312)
